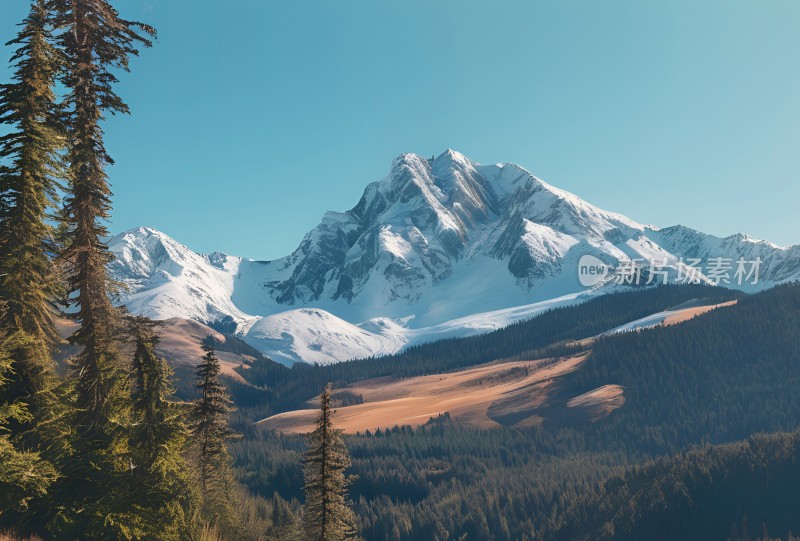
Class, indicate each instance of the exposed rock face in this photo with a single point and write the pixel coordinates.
(435, 240)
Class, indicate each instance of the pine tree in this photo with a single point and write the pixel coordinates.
(278, 510)
(211, 416)
(284, 523)
(327, 515)
(159, 499)
(96, 43)
(28, 183)
(23, 474)
(28, 283)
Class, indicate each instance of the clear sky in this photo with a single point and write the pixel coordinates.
(253, 117)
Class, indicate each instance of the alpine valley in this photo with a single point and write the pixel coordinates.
(439, 248)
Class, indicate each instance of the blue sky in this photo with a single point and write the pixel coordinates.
(253, 117)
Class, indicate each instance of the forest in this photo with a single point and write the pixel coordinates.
(698, 393)
(114, 444)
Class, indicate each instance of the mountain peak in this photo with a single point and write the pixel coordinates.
(143, 231)
(453, 156)
(433, 241)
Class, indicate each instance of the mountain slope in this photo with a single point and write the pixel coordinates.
(164, 279)
(433, 243)
(561, 331)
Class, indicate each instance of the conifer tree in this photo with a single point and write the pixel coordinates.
(96, 42)
(211, 416)
(30, 416)
(327, 515)
(28, 182)
(23, 474)
(159, 499)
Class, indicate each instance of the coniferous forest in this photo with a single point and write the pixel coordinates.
(99, 448)
(102, 439)
(705, 443)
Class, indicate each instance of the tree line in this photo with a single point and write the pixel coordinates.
(662, 459)
(106, 451)
(549, 334)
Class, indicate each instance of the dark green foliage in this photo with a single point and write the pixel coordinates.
(233, 344)
(29, 172)
(210, 432)
(326, 513)
(24, 476)
(30, 421)
(446, 482)
(439, 476)
(95, 42)
(112, 428)
(721, 377)
(159, 498)
(694, 496)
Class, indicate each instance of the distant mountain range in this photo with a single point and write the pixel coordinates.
(438, 248)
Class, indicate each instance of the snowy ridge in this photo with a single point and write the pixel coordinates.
(164, 279)
(439, 247)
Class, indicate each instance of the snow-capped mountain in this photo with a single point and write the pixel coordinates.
(164, 279)
(439, 247)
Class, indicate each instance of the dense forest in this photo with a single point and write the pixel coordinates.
(444, 482)
(714, 379)
(742, 490)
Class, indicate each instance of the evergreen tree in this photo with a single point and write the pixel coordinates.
(327, 515)
(23, 474)
(211, 431)
(29, 154)
(28, 184)
(160, 496)
(96, 43)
